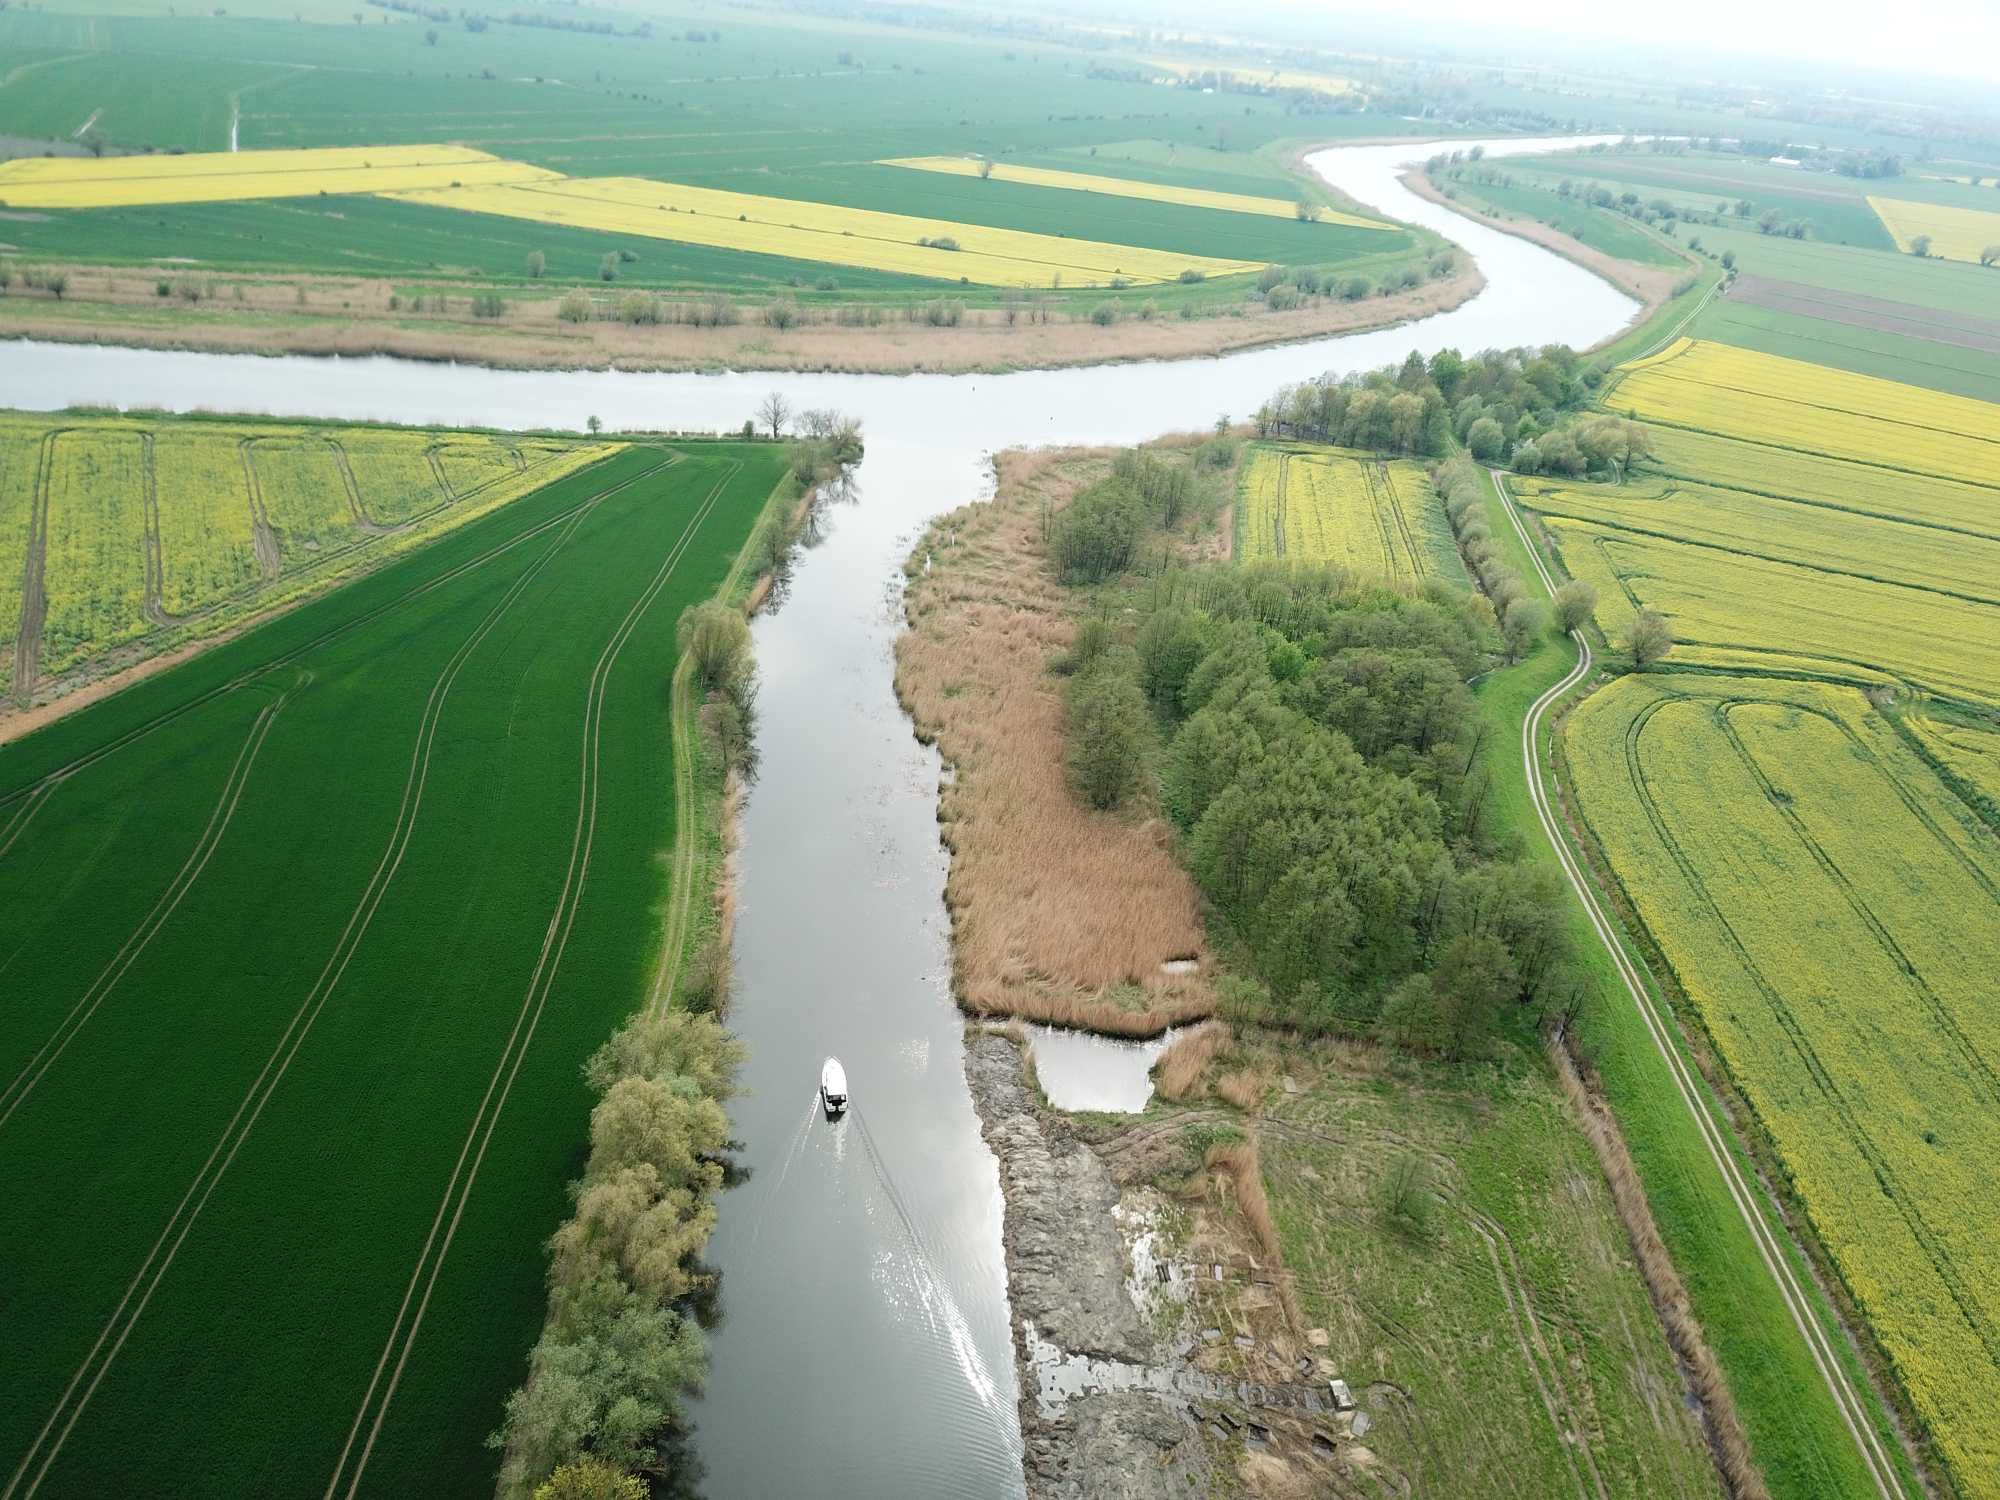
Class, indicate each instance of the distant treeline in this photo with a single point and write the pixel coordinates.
(478, 21)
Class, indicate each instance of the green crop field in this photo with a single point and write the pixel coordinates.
(307, 939)
(746, 106)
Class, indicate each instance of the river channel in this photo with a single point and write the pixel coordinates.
(864, 1348)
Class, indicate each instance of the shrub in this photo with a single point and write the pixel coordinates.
(638, 308)
(489, 305)
(575, 307)
(1192, 275)
(537, 264)
(781, 314)
(1104, 314)
(1354, 288)
(1099, 532)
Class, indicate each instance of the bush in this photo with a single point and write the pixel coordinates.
(1098, 534)
(489, 305)
(1354, 288)
(1107, 733)
(607, 268)
(718, 638)
(1269, 277)
(1282, 298)
(781, 314)
(591, 1480)
(537, 264)
(1104, 314)
(575, 307)
(1192, 275)
(637, 308)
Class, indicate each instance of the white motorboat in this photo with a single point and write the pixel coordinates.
(833, 1087)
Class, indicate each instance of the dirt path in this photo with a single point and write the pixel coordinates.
(42, 1453)
(458, 1190)
(356, 507)
(1715, 1132)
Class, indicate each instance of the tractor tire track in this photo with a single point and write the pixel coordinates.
(47, 1446)
(156, 572)
(34, 585)
(437, 1246)
(264, 536)
(149, 927)
(355, 505)
(1714, 1132)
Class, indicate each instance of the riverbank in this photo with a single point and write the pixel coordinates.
(1654, 286)
(329, 316)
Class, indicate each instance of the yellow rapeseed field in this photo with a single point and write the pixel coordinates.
(1788, 403)
(223, 176)
(828, 233)
(1330, 505)
(1125, 187)
(155, 533)
(1956, 233)
(1329, 84)
(1826, 903)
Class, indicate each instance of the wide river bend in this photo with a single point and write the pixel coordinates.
(864, 1350)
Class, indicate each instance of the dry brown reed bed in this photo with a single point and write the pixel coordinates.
(1178, 1072)
(1663, 1284)
(1060, 914)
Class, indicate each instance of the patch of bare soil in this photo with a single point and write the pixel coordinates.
(335, 316)
(1652, 285)
(1059, 913)
(1960, 330)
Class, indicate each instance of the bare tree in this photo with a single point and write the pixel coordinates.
(1651, 638)
(774, 413)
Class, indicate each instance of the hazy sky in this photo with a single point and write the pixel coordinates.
(1961, 37)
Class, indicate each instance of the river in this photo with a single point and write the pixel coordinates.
(864, 1350)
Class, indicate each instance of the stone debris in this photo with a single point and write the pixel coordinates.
(1343, 1398)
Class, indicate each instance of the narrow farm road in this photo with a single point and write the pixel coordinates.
(1693, 1093)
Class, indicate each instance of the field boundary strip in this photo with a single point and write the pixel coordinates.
(159, 1260)
(554, 943)
(1693, 1094)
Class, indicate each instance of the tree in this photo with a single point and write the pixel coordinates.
(1304, 212)
(591, 1480)
(1729, 260)
(718, 639)
(1920, 246)
(607, 268)
(1523, 623)
(537, 264)
(1650, 638)
(595, 424)
(1107, 733)
(985, 167)
(1486, 440)
(1474, 979)
(1575, 602)
(430, 36)
(1990, 255)
(774, 411)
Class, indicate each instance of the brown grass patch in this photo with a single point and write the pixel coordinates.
(1060, 914)
(1178, 1071)
(1663, 1283)
(1245, 1088)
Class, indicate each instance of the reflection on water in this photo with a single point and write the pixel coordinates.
(1078, 1070)
(864, 1348)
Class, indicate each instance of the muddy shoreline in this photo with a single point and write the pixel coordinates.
(1114, 1401)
